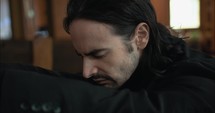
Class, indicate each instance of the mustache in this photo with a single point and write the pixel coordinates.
(101, 76)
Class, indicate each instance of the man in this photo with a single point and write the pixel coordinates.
(143, 68)
(121, 40)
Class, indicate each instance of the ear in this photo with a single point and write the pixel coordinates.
(141, 35)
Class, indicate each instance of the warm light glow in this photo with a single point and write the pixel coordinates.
(185, 14)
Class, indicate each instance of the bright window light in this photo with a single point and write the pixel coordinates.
(185, 14)
(5, 22)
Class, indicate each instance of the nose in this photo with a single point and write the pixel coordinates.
(89, 68)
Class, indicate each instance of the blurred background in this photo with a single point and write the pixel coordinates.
(31, 31)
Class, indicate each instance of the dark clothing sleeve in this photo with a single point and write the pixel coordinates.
(34, 90)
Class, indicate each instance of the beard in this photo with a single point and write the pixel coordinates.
(129, 66)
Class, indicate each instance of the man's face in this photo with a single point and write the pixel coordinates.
(106, 60)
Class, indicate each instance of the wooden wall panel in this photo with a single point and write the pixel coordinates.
(41, 16)
(58, 14)
(29, 19)
(65, 58)
(42, 52)
(213, 27)
(162, 11)
(17, 19)
(208, 26)
(23, 23)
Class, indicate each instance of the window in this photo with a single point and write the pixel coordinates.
(5, 21)
(185, 14)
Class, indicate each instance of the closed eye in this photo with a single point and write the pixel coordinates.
(97, 53)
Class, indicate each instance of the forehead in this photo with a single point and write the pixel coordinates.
(87, 34)
(82, 27)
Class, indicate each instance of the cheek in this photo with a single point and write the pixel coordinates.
(113, 62)
(110, 64)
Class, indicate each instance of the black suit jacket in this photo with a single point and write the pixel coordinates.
(188, 87)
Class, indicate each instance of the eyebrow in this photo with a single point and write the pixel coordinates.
(93, 52)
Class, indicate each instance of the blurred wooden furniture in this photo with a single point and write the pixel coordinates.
(42, 52)
(208, 26)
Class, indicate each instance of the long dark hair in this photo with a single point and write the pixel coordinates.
(124, 16)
